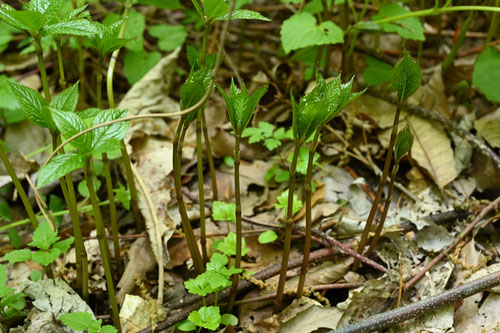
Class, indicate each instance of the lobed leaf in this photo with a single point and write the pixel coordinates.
(44, 236)
(17, 256)
(46, 257)
(222, 211)
(206, 317)
(78, 321)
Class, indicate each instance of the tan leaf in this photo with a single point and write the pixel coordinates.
(488, 126)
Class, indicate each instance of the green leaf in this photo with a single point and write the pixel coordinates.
(303, 160)
(123, 196)
(64, 245)
(217, 280)
(108, 329)
(406, 77)
(58, 167)
(272, 143)
(137, 64)
(31, 103)
(193, 90)
(67, 99)
(35, 276)
(403, 144)
(409, 28)
(78, 321)
(486, 74)
(18, 256)
(301, 31)
(241, 105)
(49, 8)
(56, 204)
(163, 4)
(222, 211)
(207, 317)
(215, 8)
(228, 245)
(134, 30)
(46, 257)
(3, 275)
(11, 110)
(256, 134)
(4, 290)
(106, 39)
(15, 301)
(89, 113)
(268, 236)
(243, 14)
(115, 132)
(283, 202)
(44, 236)
(229, 161)
(378, 71)
(199, 286)
(78, 27)
(84, 190)
(186, 326)
(6, 12)
(14, 239)
(169, 37)
(69, 124)
(33, 20)
(5, 211)
(229, 319)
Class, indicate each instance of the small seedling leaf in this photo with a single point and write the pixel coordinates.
(108, 329)
(18, 256)
(35, 276)
(58, 167)
(222, 211)
(406, 77)
(206, 317)
(44, 236)
(403, 144)
(46, 257)
(268, 236)
(64, 245)
(15, 301)
(186, 326)
(283, 202)
(199, 286)
(123, 196)
(229, 319)
(228, 245)
(78, 321)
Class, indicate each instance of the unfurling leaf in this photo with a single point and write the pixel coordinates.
(241, 105)
(406, 77)
(403, 143)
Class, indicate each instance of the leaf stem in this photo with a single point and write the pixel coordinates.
(99, 82)
(381, 185)
(493, 25)
(103, 242)
(41, 64)
(239, 230)
(307, 239)
(19, 187)
(288, 230)
(201, 187)
(62, 77)
(186, 224)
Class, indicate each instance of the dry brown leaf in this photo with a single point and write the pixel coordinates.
(306, 315)
(488, 127)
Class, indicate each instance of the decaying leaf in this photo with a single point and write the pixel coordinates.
(487, 127)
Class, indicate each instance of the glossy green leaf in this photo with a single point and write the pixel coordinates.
(88, 113)
(193, 90)
(67, 99)
(378, 71)
(108, 329)
(31, 103)
(33, 20)
(301, 30)
(6, 12)
(78, 321)
(137, 64)
(44, 236)
(49, 8)
(64, 245)
(409, 28)
(403, 144)
(243, 14)
(106, 40)
(206, 317)
(215, 8)
(241, 105)
(406, 77)
(199, 286)
(229, 319)
(78, 27)
(69, 124)
(46, 257)
(268, 236)
(115, 132)
(169, 37)
(486, 74)
(58, 167)
(186, 326)
(17, 256)
(222, 211)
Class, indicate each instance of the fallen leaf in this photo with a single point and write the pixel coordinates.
(487, 127)
(306, 315)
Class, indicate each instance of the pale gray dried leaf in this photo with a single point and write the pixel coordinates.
(135, 314)
(306, 315)
(434, 281)
(434, 238)
(482, 319)
(20, 164)
(325, 273)
(487, 127)
(463, 150)
(437, 321)
(486, 271)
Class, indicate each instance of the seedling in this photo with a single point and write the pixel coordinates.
(283, 203)
(265, 132)
(405, 79)
(222, 211)
(10, 304)
(49, 248)
(268, 236)
(240, 105)
(80, 321)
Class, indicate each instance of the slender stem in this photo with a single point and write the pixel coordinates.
(134, 201)
(383, 180)
(288, 231)
(103, 242)
(99, 82)
(210, 157)
(454, 50)
(307, 239)
(112, 212)
(41, 64)
(62, 77)
(493, 25)
(239, 231)
(201, 187)
(186, 224)
(387, 204)
(19, 187)
(204, 44)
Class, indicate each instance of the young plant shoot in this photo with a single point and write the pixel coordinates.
(240, 106)
(405, 79)
(336, 96)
